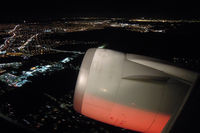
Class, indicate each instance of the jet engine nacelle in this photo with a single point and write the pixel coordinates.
(131, 91)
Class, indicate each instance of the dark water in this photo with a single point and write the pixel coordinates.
(37, 91)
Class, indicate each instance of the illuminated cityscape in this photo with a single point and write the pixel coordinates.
(39, 61)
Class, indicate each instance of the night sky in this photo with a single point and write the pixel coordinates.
(117, 8)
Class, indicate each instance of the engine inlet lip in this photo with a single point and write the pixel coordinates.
(81, 83)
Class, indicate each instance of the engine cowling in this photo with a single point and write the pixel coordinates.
(131, 91)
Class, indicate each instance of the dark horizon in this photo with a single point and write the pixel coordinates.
(162, 9)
